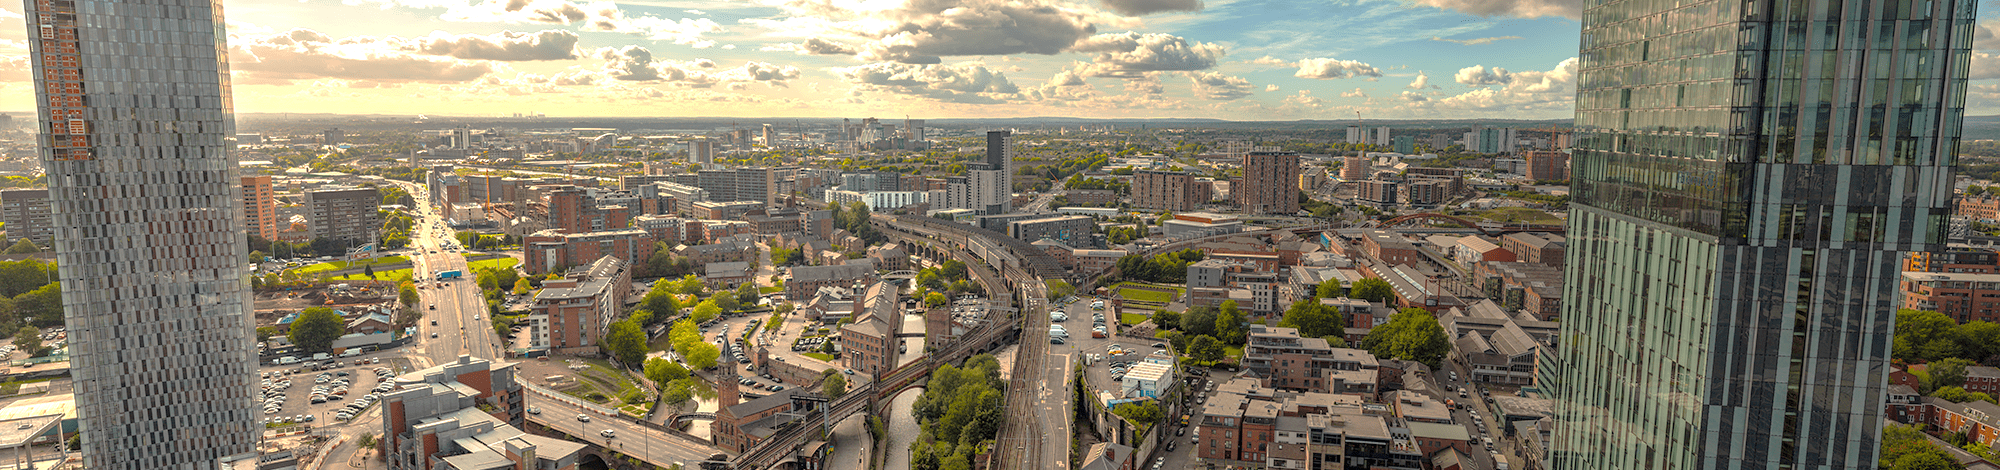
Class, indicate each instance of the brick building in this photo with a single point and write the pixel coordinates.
(1389, 247)
(1172, 191)
(806, 280)
(1956, 259)
(1269, 184)
(552, 251)
(1377, 192)
(1535, 288)
(1535, 247)
(260, 207)
(466, 415)
(579, 308)
(1981, 208)
(1547, 165)
(869, 345)
(1963, 297)
(26, 213)
(1245, 425)
(346, 214)
(1286, 361)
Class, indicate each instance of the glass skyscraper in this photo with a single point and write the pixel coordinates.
(1747, 173)
(134, 120)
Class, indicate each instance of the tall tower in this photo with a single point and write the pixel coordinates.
(1747, 175)
(135, 120)
(995, 184)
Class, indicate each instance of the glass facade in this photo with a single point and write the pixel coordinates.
(147, 203)
(1747, 173)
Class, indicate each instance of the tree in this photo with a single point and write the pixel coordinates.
(22, 247)
(702, 356)
(1948, 372)
(705, 311)
(746, 294)
(1166, 319)
(316, 328)
(1978, 340)
(409, 295)
(1143, 415)
(1373, 290)
(1199, 321)
(691, 285)
(935, 299)
(1205, 348)
(626, 342)
(662, 371)
(1313, 319)
(1229, 325)
(832, 384)
(1412, 335)
(1331, 289)
(368, 270)
(1922, 334)
(661, 301)
(675, 396)
(44, 304)
(521, 286)
(1959, 395)
(1935, 460)
(28, 340)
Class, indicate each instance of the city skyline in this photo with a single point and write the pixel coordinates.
(1390, 59)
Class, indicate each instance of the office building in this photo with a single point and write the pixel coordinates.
(349, 215)
(550, 251)
(260, 207)
(1072, 230)
(1730, 272)
(26, 213)
(1379, 136)
(1544, 165)
(1171, 191)
(578, 308)
(1377, 192)
(147, 209)
(1269, 184)
(1403, 144)
(333, 136)
(740, 184)
(1355, 135)
(701, 151)
(1491, 140)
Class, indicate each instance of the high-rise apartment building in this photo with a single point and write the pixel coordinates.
(1164, 190)
(1379, 136)
(1355, 168)
(758, 184)
(347, 214)
(26, 213)
(135, 121)
(1746, 177)
(1491, 140)
(1544, 165)
(701, 151)
(260, 207)
(1269, 184)
(1355, 135)
(994, 186)
(333, 136)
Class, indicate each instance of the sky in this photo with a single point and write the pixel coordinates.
(1222, 59)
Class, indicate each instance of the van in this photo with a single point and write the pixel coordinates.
(351, 352)
(287, 360)
(321, 356)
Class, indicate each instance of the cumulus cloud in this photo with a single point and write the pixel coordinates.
(15, 68)
(1572, 9)
(1504, 90)
(1414, 97)
(1984, 38)
(1304, 99)
(812, 46)
(1984, 65)
(505, 45)
(1423, 81)
(1271, 87)
(1216, 86)
(1146, 7)
(1131, 54)
(969, 82)
(1474, 42)
(925, 31)
(593, 16)
(304, 54)
(1355, 93)
(636, 64)
(1066, 78)
(1271, 61)
(1327, 69)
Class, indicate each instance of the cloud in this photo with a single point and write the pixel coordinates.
(505, 45)
(1984, 65)
(1304, 99)
(812, 46)
(1327, 69)
(1477, 75)
(636, 64)
(1216, 86)
(1145, 7)
(1271, 87)
(1271, 61)
(1554, 89)
(601, 16)
(1131, 54)
(925, 31)
(1984, 38)
(1356, 93)
(1475, 42)
(1423, 81)
(969, 82)
(304, 54)
(15, 68)
(1572, 9)
(1066, 78)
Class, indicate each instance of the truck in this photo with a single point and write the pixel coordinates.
(453, 274)
(321, 356)
(287, 360)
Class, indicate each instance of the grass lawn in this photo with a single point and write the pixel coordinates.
(821, 356)
(1131, 318)
(392, 276)
(496, 263)
(339, 265)
(607, 379)
(1232, 351)
(770, 290)
(1148, 295)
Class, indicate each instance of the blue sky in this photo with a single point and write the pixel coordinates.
(1227, 59)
